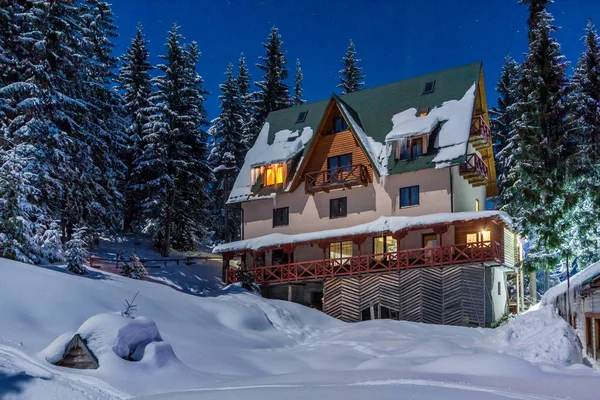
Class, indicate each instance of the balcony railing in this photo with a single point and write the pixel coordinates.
(376, 263)
(334, 178)
(474, 170)
(481, 134)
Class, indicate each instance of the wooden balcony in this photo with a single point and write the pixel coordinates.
(376, 263)
(481, 134)
(335, 178)
(474, 170)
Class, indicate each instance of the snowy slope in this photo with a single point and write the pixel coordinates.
(237, 345)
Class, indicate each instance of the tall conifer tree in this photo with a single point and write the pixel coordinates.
(297, 99)
(351, 76)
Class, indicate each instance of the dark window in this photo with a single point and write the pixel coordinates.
(260, 260)
(429, 87)
(499, 289)
(302, 117)
(339, 125)
(281, 216)
(412, 149)
(409, 196)
(338, 208)
(279, 257)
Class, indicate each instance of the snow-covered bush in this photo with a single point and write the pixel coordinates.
(76, 254)
(51, 247)
(134, 268)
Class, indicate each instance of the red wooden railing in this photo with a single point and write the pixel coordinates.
(375, 263)
(356, 174)
(481, 128)
(474, 163)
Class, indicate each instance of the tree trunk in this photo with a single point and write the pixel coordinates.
(533, 288)
(168, 223)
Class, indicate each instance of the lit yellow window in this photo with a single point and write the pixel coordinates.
(378, 245)
(476, 205)
(340, 250)
(280, 173)
(486, 236)
(471, 238)
(270, 178)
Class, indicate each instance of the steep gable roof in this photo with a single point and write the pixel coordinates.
(369, 113)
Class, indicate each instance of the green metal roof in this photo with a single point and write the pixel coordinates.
(373, 108)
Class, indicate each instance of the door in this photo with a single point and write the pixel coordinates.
(340, 167)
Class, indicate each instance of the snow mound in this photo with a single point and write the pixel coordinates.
(107, 335)
(495, 365)
(540, 337)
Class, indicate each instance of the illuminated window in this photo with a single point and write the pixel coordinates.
(270, 178)
(483, 236)
(340, 250)
(476, 205)
(384, 244)
(423, 112)
(270, 175)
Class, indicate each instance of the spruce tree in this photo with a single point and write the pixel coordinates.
(542, 146)
(135, 84)
(174, 162)
(243, 84)
(584, 121)
(76, 254)
(227, 156)
(297, 99)
(351, 76)
(502, 120)
(273, 93)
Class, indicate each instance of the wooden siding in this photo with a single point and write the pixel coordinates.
(511, 249)
(451, 295)
(336, 144)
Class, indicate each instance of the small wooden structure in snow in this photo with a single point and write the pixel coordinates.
(77, 355)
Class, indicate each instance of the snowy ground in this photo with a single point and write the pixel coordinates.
(232, 344)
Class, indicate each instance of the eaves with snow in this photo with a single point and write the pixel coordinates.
(380, 118)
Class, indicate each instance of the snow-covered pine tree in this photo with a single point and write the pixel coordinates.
(174, 163)
(135, 85)
(502, 120)
(273, 93)
(243, 84)
(584, 119)
(227, 157)
(18, 211)
(76, 254)
(351, 76)
(543, 147)
(134, 269)
(297, 99)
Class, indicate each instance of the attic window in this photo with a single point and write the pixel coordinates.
(411, 148)
(301, 117)
(269, 175)
(429, 87)
(339, 125)
(423, 112)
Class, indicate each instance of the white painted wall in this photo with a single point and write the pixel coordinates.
(499, 301)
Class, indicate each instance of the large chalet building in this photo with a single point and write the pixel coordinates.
(372, 205)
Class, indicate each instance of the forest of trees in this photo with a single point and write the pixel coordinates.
(92, 144)
(546, 128)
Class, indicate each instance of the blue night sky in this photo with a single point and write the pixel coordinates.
(396, 39)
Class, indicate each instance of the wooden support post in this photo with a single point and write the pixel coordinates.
(399, 236)
(290, 293)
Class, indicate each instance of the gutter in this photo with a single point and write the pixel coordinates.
(451, 190)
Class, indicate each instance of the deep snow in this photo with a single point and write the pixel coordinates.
(237, 345)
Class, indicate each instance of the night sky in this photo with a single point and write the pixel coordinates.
(396, 39)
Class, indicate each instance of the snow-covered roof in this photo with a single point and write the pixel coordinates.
(286, 145)
(380, 225)
(576, 280)
(455, 117)
(377, 116)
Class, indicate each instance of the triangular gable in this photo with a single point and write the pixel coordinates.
(332, 110)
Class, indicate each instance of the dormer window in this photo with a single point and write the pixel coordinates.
(269, 175)
(339, 125)
(411, 148)
(429, 87)
(302, 117)
(423, 112)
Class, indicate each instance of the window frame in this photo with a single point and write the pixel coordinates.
(344, 126)
(430, 235)
(410, 200)
(432, 83)
(301, 117)
(339, 200)
(276, 221)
